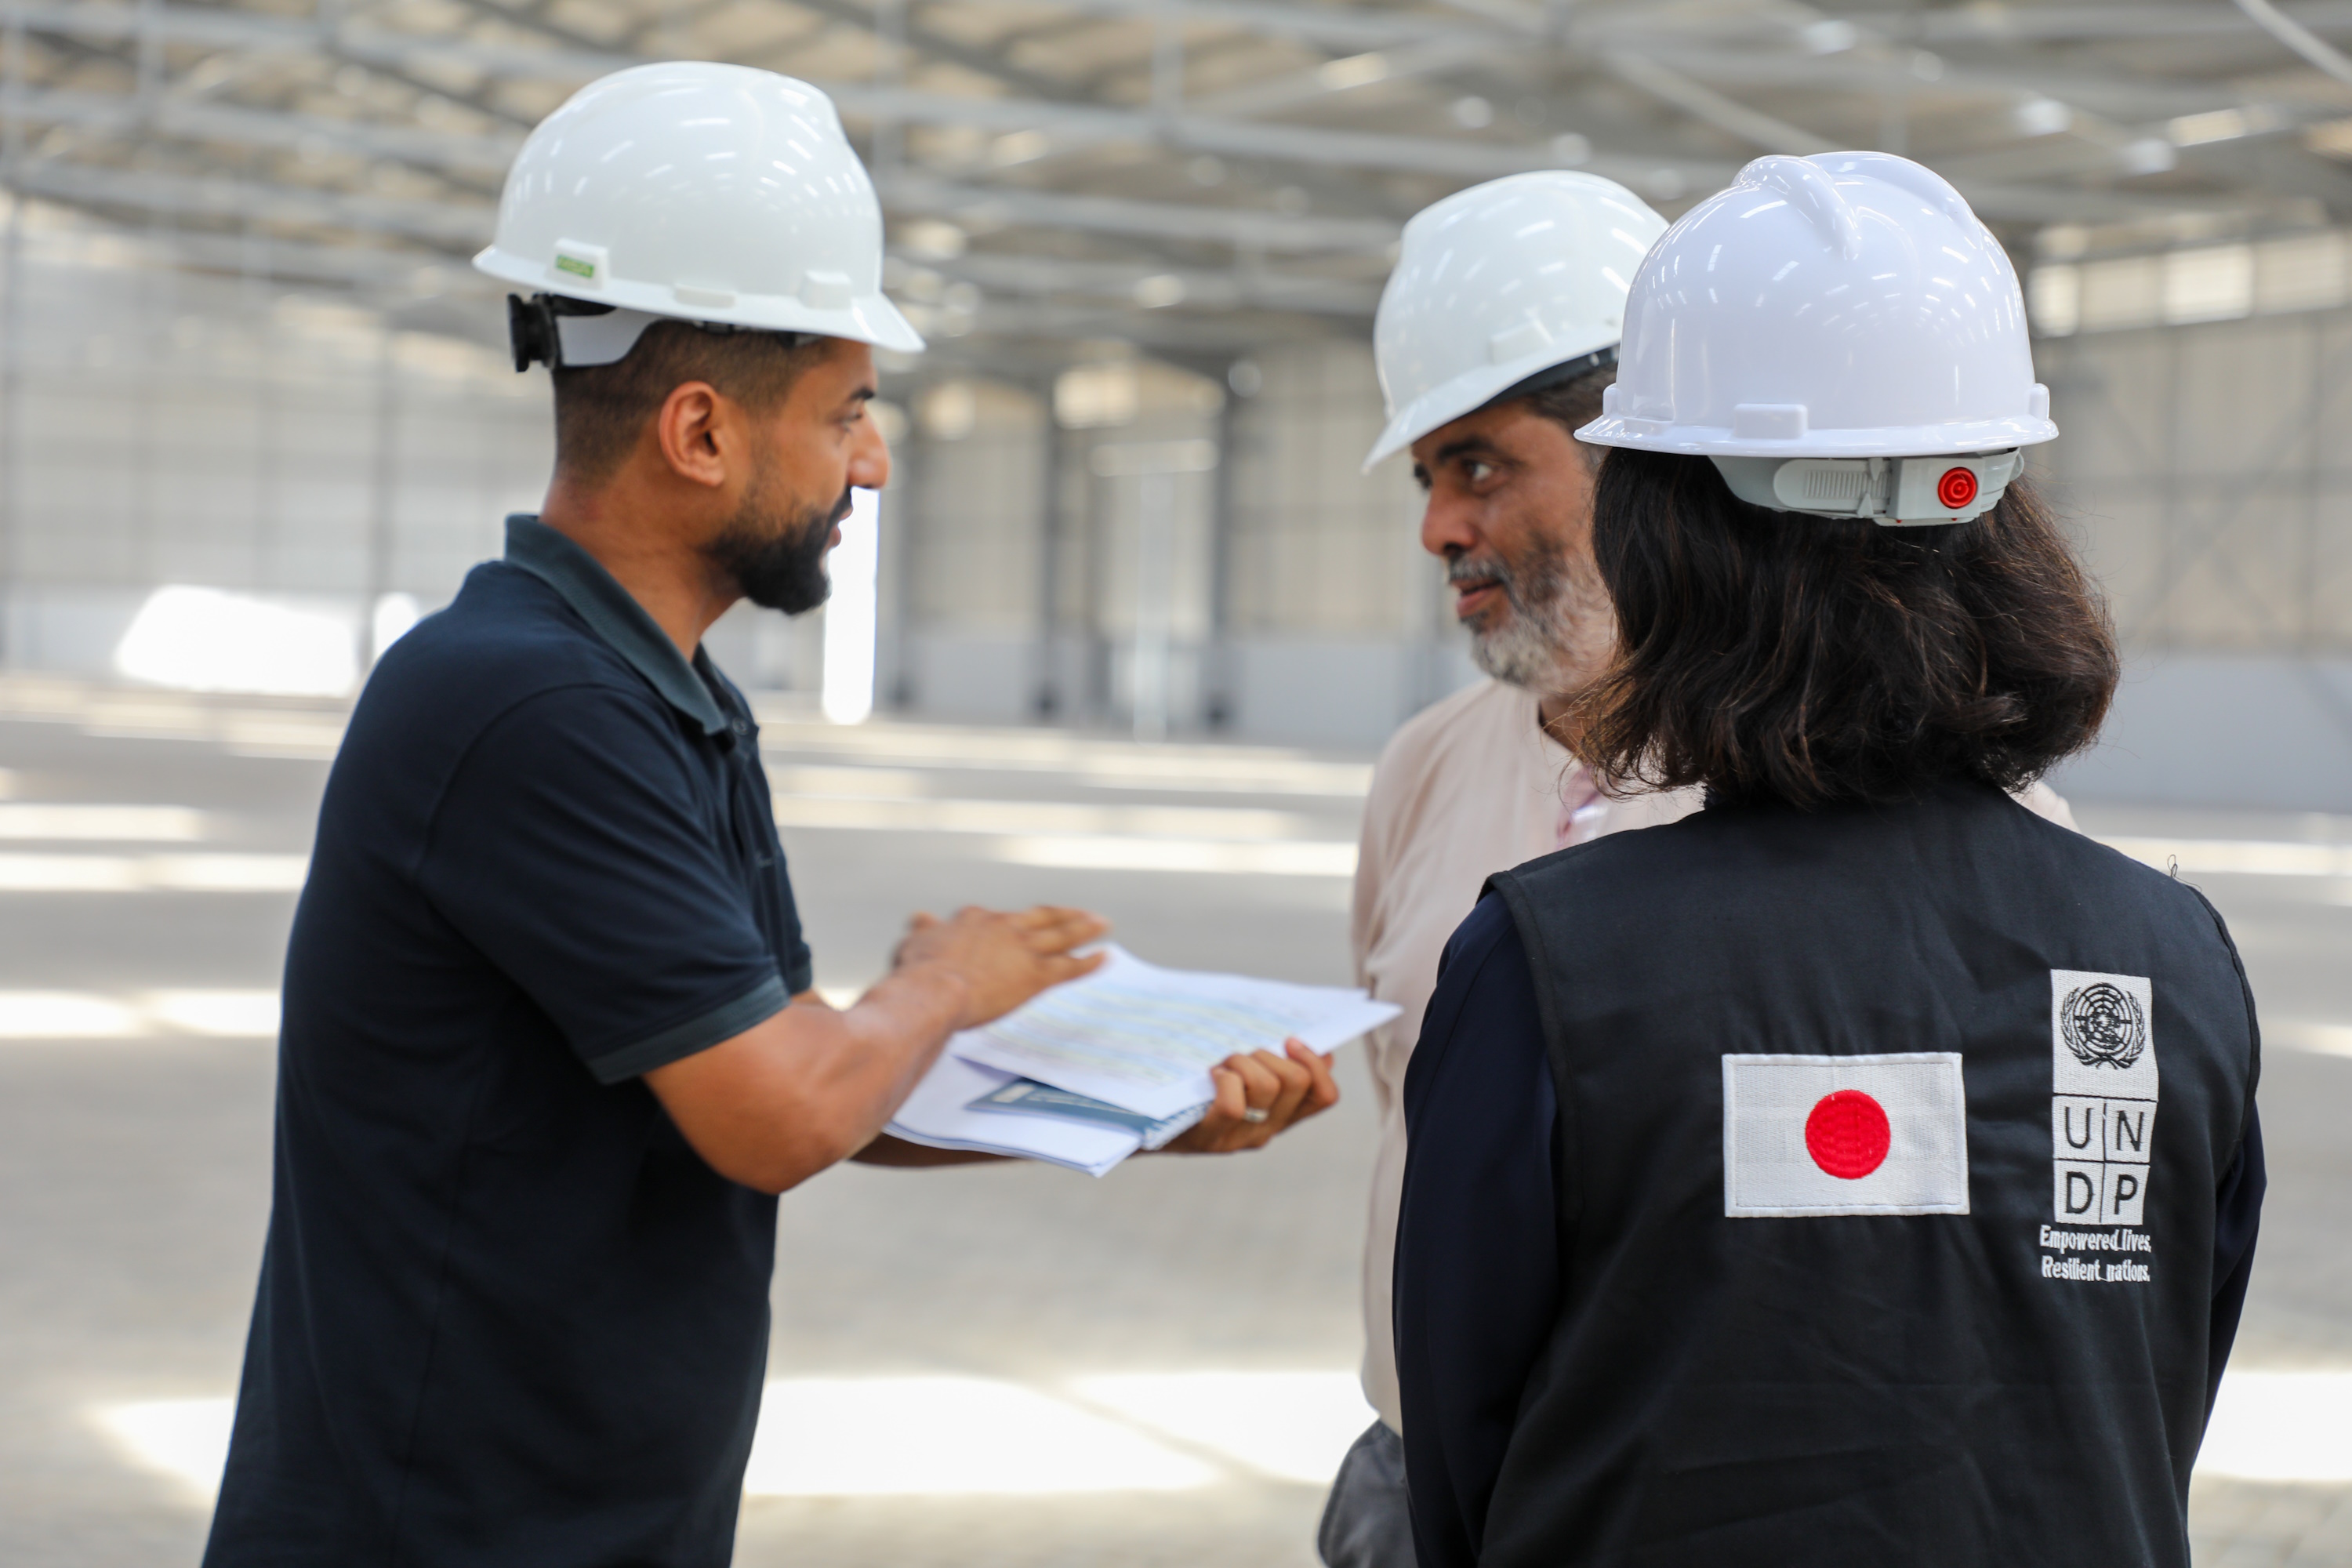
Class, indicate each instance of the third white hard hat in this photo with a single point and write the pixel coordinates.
(1839, 309)
(1497, 283)
(711, 192)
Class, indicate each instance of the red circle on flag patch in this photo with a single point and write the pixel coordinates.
(1847, 1134)
(1957, 487)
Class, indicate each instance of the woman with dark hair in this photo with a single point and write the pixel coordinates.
(1788, 1183)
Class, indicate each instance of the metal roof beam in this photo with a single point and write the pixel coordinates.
(198, 121)
(986, 207)
(398, 271)
(1347, 27)
(1174, 222)
(1236, 334)
(1290, 90)
(2151, 96)
(469, 224)
(919, 39)
(1702, 102)
(464, 225)
(230, 29)
(1187, 133)
(358, 264)
(1200, 289)
(2015, 24)
(451, 225)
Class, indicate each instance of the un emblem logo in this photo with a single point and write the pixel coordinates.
(2102, 1026)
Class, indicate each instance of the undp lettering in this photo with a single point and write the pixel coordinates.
(2102, 1098)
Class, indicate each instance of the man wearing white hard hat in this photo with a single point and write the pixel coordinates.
(1862, 1167)
(551, 1045)
(1495, 335)
(1497, 339)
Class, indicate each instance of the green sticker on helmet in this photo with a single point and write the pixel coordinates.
(577, 267)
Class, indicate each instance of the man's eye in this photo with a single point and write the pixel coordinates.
(1476, 471)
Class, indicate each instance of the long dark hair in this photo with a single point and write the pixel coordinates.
(1772, 655)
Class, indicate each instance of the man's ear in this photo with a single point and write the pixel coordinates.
(694, 431)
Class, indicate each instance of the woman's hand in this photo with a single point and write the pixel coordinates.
(1260, 1094)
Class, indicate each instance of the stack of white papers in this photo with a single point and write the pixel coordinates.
(937, 1114)
(1131, 1034)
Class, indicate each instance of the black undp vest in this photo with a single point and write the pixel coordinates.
(1888, 1147)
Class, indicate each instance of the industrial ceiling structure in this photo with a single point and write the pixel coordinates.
(1193, 176)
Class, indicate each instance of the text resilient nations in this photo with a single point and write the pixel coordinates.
(2087, 1271)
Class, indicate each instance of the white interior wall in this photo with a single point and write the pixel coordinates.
(171, 427)
(2201, 467)
(1340, 625)
(1321, 547)
(968, 524)
(227, 433)
(222, 432)
(1334, 624)
(1155, 471)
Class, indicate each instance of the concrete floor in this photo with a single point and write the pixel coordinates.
(135, 1106)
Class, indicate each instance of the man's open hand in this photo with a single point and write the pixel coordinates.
(1004, 959)
(1260, 1094)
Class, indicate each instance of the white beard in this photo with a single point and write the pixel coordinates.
(1560, 632)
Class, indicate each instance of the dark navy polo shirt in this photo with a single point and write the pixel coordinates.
(507, 1315)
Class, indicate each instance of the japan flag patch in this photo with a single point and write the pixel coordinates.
(1841, 1135)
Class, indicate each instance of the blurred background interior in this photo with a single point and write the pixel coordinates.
(1126, 631)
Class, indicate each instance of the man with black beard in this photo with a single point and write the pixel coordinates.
(786, 571)
(1496, 338)
(551, 1043)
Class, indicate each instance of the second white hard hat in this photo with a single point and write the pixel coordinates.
(1842, 336)
(708, 193)
(1499, 283)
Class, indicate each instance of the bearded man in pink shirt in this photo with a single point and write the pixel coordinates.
(1496, 335)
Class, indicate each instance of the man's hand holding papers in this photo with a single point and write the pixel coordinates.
(1162, 1044)
(1299, 1082)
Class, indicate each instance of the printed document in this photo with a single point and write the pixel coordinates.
(936, 1115)
(1027, 1096)
(1144, 1037)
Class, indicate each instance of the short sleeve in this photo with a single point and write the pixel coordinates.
(574, 851)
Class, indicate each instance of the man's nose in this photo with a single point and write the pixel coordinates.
(1449, 525)
(869, 459)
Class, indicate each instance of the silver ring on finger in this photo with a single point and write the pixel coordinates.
(1254, 1114)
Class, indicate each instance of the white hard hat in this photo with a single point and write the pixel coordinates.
(1846, 310)
(1497, 284)
(708, 193)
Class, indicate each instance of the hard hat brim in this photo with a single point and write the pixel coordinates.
(866, 319)
(1466, 394)
(1920, 441)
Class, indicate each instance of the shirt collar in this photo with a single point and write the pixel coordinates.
(614, 615)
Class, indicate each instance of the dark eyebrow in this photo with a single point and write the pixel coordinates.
(866, 394)
(1466, 446)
